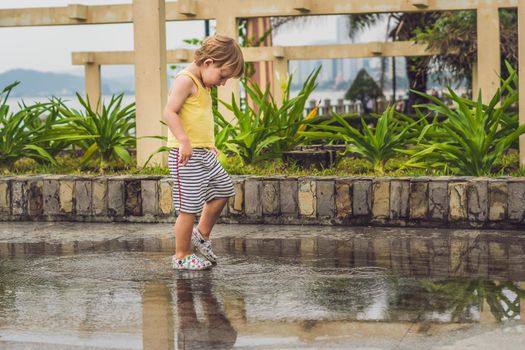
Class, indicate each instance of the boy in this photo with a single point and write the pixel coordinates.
(200, 182)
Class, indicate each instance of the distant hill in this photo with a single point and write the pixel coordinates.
(34, 83)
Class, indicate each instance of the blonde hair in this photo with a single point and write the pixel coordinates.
(225, 53)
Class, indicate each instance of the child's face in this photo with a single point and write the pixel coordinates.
(213, 75)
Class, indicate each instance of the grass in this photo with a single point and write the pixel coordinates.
(67, 165)
(347, 166)
(508, 165)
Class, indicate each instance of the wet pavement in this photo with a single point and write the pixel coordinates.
(110, 286)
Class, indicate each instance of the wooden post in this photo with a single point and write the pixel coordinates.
(157, 317)
(475, 81)
(485, 315)
(488, 51)
(521, 47)
(227, 25)
(92, 83)
(150, 76)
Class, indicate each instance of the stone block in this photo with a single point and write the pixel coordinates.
(399, 199)
(516, 262)
(457, 192)
(67, 196)
(290, 247)
(165, 194)
(19, 194)
(477, 201)
(51, 194)
(236, 203)
(498, 261)
(343, 198)
(132, 197)
(438, 200)
(381, 248)
(288, 199)
(100, 196)
(419, 257)
(5, 197)
(418, 200)
(440, 257)
(477, 258)
(308, 247)
(307, 197)
(150, 196)
(363, 252)
(325, 198)
(252, 197)
(400, 256)
(116, 207)
(516, 198)
(35, 205)
(459, 248)
(361, 197)
(498, 200)
(83, 192)
(270, 197)
(381, 199)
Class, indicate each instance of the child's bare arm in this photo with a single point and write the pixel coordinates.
(180, 91)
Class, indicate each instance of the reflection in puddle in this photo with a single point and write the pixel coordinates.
(214, 330)
(312, 292)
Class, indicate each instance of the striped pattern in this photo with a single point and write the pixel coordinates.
(202, 179)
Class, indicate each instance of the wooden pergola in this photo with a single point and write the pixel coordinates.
(150, 56)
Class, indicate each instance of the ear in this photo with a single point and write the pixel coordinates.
(208, 62)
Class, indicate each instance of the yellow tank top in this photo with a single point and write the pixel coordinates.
(197, 118)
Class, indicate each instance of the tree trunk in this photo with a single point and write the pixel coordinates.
(417, 79)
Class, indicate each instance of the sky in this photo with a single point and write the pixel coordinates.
(49, 48)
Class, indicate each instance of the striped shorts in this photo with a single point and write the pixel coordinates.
(202, 179)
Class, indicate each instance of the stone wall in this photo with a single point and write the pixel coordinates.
(375, 201)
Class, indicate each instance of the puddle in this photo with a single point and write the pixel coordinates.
(379, 290)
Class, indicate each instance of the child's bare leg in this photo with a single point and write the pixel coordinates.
(210, 214)
(183, 228)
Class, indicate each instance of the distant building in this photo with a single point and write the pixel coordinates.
(339, 73)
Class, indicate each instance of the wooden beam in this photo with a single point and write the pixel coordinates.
(187, 8)
(208, 9)
(303, 6)
(47, 16)
(422, 4)
(103, 58)
(78, 12)
(253, 8)
(349, 329)
(388, 49)
(256, 54)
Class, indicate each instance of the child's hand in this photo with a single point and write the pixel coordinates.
(215, 151)
(185, 153)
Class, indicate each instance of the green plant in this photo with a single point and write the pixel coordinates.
(251, 135)
(454, 35)
(375, 144)
(363, 89)
(266, 129)
(459, 294)
(472, 137)
(110, 130)
(36, 131)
